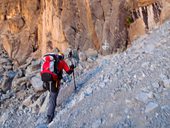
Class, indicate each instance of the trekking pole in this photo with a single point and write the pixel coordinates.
(70, 56)
(75, 88)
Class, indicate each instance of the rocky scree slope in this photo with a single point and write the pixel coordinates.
(130, 89)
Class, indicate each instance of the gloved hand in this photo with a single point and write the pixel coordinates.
(72, 66)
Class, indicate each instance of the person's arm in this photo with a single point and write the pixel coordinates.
(67, 68)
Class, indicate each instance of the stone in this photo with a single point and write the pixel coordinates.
(167, 83)
(102, 85)
(45, 103)
(150, 107)
(163, 77)
(2, 70)
(90, 60)
(144, 97)
(155, 85)
(91, 53)
(28, 71)
(150, 95)
(82, 56)
(6, 83)
(28, 101)
(21, 95)
(36, 65)
(39, 102)
(135, 30)
(88, 91)
(3, 61)
(18, 81)
(37, 83)
(6, 96)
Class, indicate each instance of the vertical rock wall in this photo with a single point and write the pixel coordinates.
(83, 24)
(145, 16)
(18, 25)
(26, 27)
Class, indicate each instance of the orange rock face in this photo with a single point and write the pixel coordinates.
(26, 27)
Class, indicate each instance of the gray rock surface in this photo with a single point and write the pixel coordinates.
(151, 106)
(37, 83)
(129, 77)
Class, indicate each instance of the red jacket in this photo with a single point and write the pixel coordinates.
(62, 65)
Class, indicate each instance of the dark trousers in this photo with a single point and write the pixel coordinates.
(51, 86)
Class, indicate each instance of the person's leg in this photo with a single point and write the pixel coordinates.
(52, 101)
(52, 104)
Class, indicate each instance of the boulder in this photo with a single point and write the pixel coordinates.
(37, 83)
(28, 101)
(6, 83)
(21, 94)
(91, 54)
(82, 56)
(45, 103)
(144, 96)
(167, 83)
(18, 81)
(151, 106)
(38, 103)
(34, 67)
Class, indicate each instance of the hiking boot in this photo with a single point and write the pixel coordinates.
(49, 119)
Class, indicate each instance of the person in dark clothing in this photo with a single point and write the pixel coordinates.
(54, 86)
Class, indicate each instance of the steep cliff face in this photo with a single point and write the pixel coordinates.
(146, 15)
(28, 26)
(83, 24)
(18, 25)
(32, 26)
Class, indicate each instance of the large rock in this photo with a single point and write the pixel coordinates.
(33, 68)
(167, 83)
(151, 106)
(28, 101)
(82, 56)
(144, 97)
(92, 54)
(136, 30)
(37, 83)
(6, 83)
(45, 103)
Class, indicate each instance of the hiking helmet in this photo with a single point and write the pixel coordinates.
(61, 56)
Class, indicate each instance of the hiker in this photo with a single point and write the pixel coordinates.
(51, 81)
